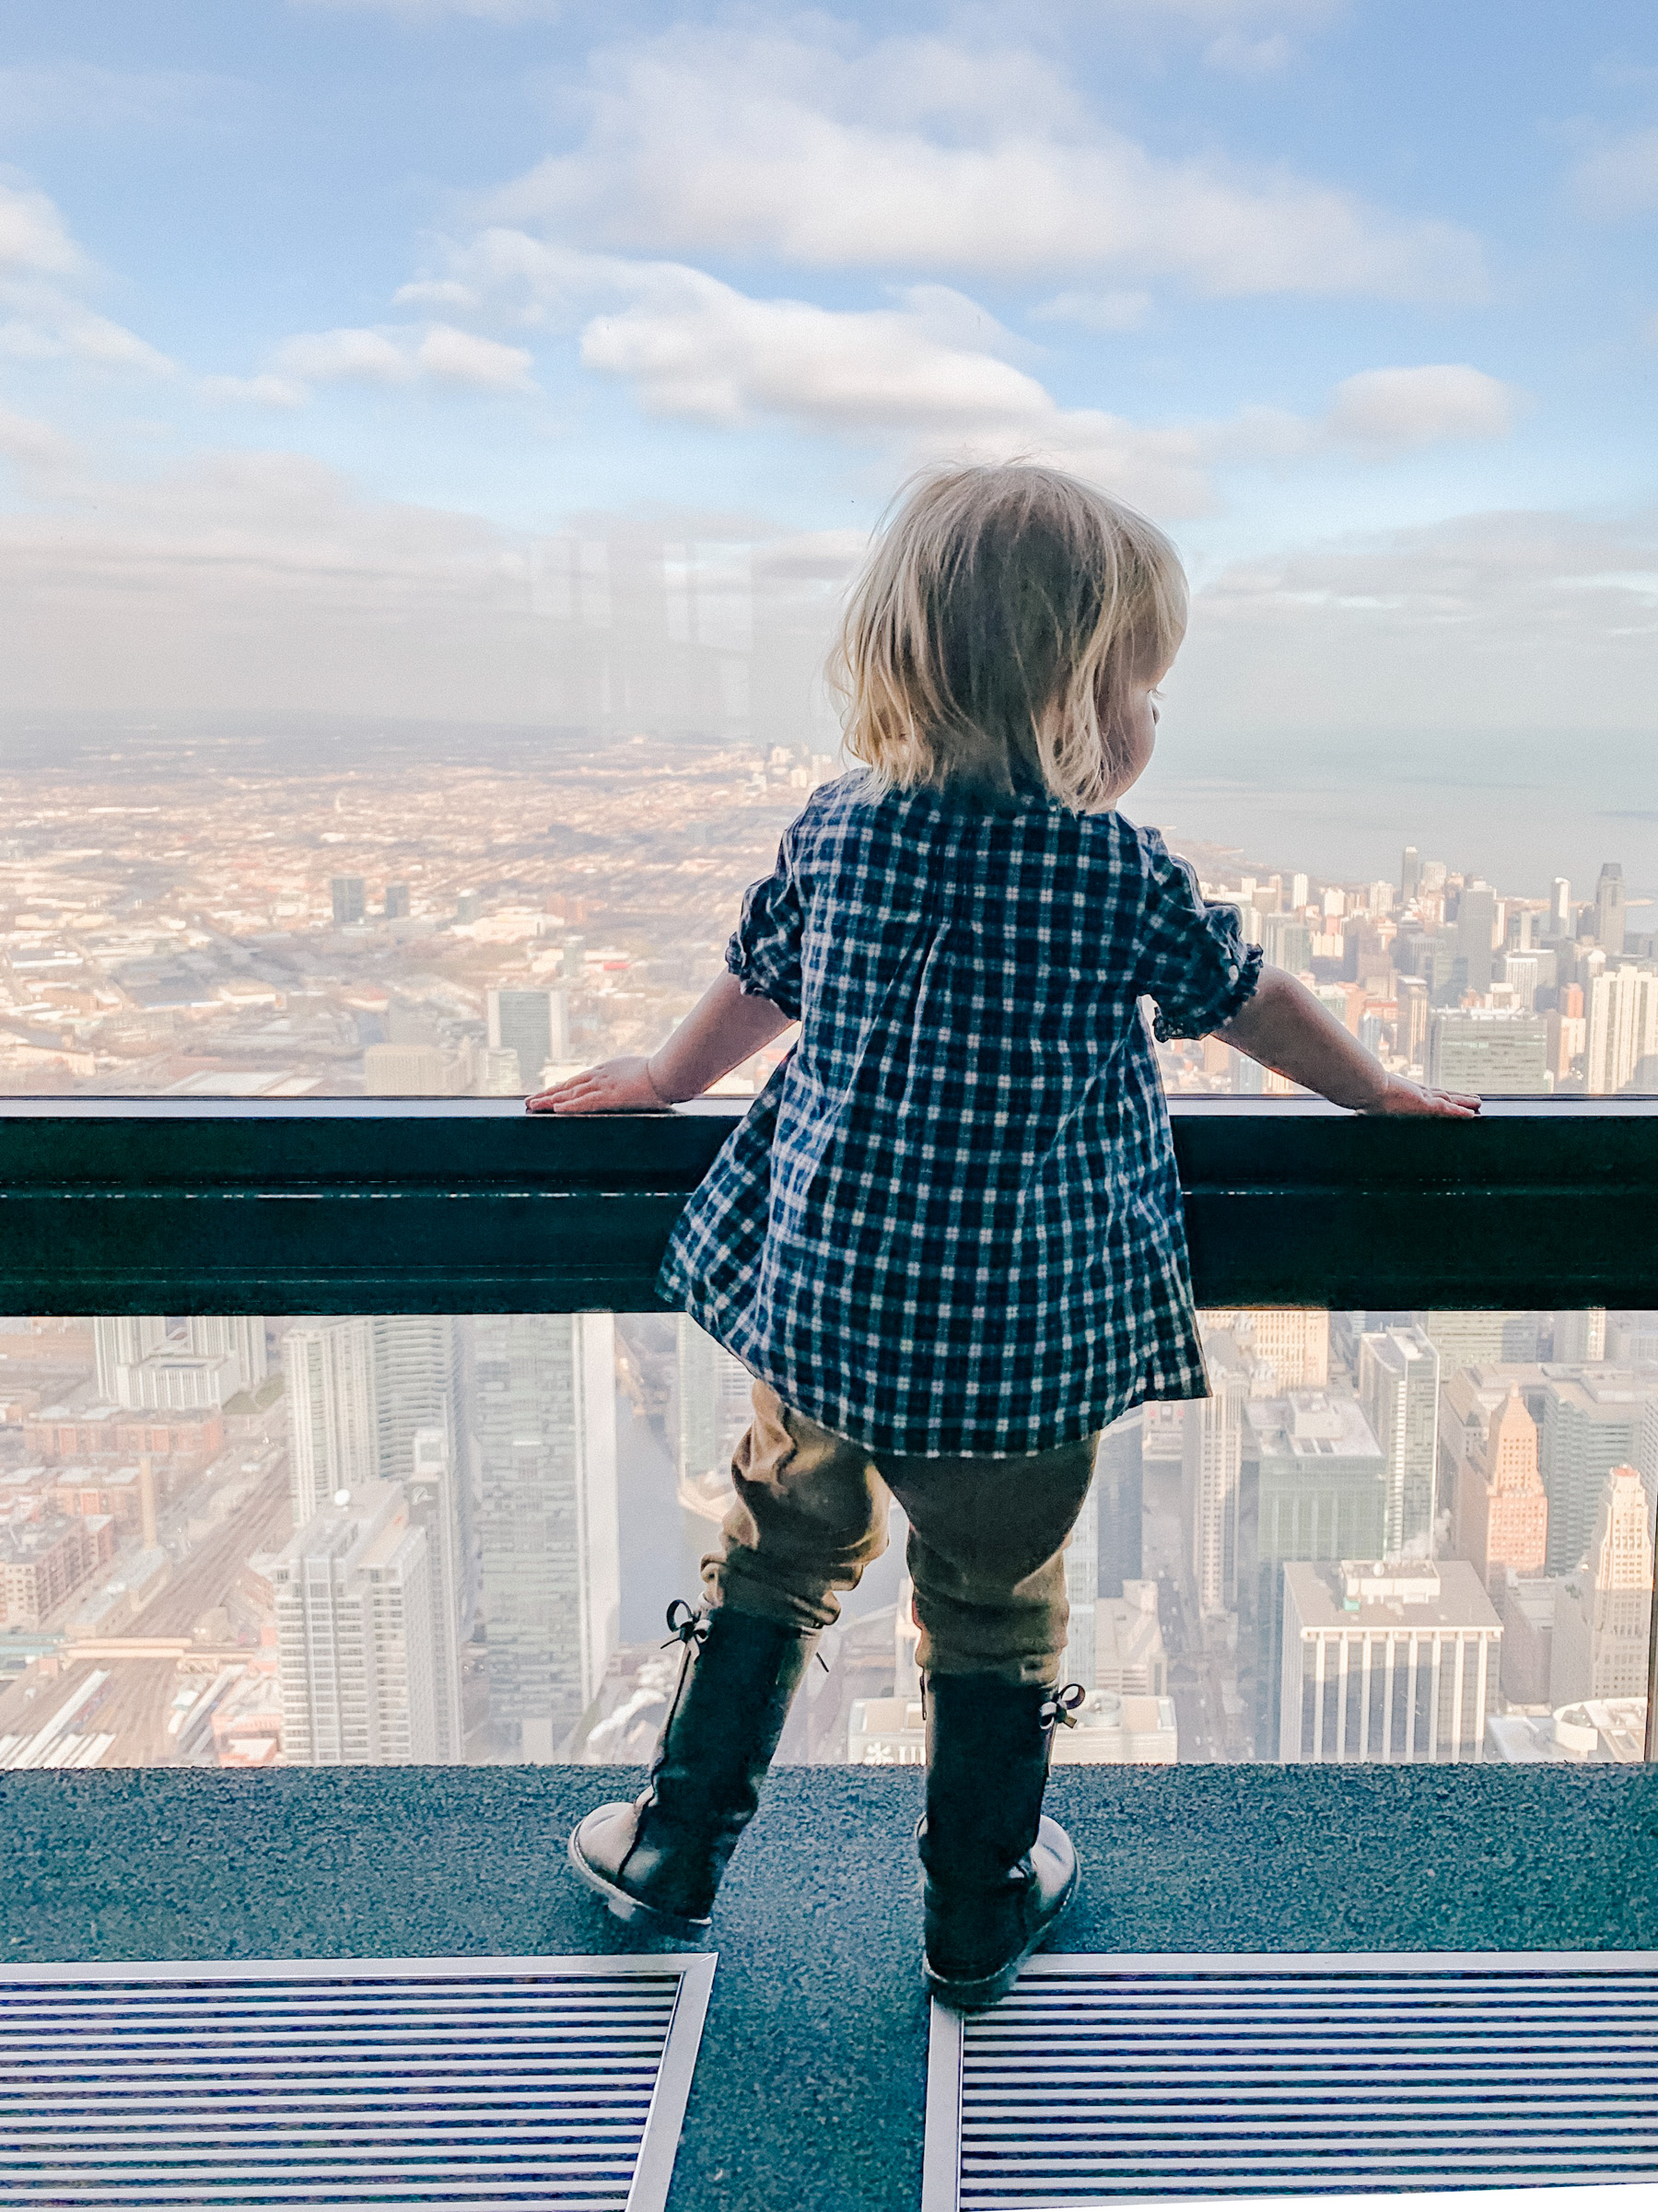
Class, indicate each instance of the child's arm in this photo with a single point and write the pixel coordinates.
(725, 1025)
(1285, 1028)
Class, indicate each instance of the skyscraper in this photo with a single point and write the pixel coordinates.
(329, 1369)
(549, 1541)
(1603, 1614)
(1390, 1662)
(1292, 1341)
(1623, 1027)
(176, 1362)
(434, 1506)
(1609, 909)
(1497, 1051)
(716, 1402)
(1398, 1387)
(1591, 1424)
(1119, 1503)
(534, 1024)
(1502, 1508)
(1410, 874)
(1082, 1590)
(1316, 1480)
(347, 892)
(1212, 1467)
(354, 1636)
(1475, 933)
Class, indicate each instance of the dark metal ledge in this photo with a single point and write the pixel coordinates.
(425, 1206)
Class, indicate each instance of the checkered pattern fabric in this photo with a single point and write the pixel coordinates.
(951, 1223)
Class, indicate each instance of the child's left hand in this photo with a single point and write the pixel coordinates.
(614, 1086)
(1400, 1096)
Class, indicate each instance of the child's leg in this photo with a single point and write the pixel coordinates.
(811, 1515)
(986, 1557)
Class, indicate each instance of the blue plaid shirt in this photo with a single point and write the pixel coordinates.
(951, 1223)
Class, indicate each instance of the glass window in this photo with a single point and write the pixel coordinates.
(412, 1538)
(422, 518)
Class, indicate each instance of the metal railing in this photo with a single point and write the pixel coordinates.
(428, 1206)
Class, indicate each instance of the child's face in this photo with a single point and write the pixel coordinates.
(1134, 727)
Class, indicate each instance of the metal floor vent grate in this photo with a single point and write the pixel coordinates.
(409, 2082)
(1106, 2080)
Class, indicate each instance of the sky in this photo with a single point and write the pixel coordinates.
(318, 317)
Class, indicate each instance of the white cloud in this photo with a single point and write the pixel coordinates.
(1620, 177)
(920, 154)
(1486, 622)
(1107, 311)
(1395, 408)
(380, 356)
(1240, 54)
(32, 237)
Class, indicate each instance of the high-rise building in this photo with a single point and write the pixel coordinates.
(1398, 1387)
(1604, 1613)
(1410, 874)
(1475, 935)
(1120, 1502)
(327, 1366)
(1609, 909)
(1212, 1459)
(1502, 1508)
(432, 1486)
(176, 1362)
(1410, 1022)
(1591, 1424)
(545, 1393)
(1389, 1663)
(1292, 1341)
(1579, 1335)
(716, 1404)
(347, 892)
(1560, 908)
(1622, 1027)
(1315, 1477)
(1478, 1339)
(1082, 1591)
(534, 1024)
(417, 1385)
(1497, 1051)
(355, 1624)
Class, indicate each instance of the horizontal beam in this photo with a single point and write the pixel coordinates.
(381, 1206)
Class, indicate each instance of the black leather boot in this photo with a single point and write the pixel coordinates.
(659, 1860)
(998, 1874)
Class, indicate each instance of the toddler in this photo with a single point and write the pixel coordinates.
(947, 1237)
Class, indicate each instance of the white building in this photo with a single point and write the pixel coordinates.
(1398, 1387)
(1212, 1465)
(176, 1362)
(550, 1543)
(354, 1636)
(434, 1506)
(333, 1441)
(1623, 1027)
(1392, 1663)
(1114, 1730)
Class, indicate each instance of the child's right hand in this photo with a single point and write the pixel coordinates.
(614, 1086)
(1399, 1096)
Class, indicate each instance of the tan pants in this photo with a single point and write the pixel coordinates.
(986, 1547)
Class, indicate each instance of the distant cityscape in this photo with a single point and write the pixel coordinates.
(252, 1541)
(223, 919)
(234, 1542)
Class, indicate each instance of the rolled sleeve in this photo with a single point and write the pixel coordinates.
(764, 951)
(1194, 962)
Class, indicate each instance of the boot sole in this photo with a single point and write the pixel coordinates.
(624, 1906)
(985, 1990)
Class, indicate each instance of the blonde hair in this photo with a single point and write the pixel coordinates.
(996, 630)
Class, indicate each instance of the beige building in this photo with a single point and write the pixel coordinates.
(1604, 1613)
(1501, 1509)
